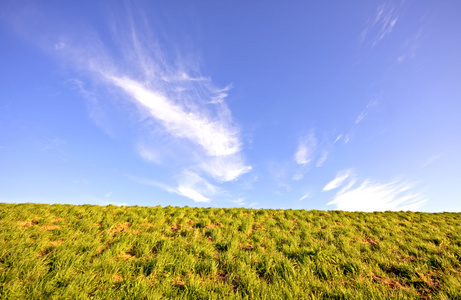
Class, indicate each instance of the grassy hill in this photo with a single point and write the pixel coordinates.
(79, 252)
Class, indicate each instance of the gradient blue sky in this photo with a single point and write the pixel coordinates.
(351, 105)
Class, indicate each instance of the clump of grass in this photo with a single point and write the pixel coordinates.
(67, 251)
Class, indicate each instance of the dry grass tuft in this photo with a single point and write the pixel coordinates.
(393, 284)
(371, 242)
(50, 227)
(119, 227)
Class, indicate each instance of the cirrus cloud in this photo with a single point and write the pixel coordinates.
(373, 196)
(177, 117)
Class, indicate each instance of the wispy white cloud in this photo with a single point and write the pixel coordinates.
(149, 153)
(219, 95)
(338, 138)
(410, 46)
(80, 181)
(225, 168)
(216, 137)
(193, 186)
(190, 185)
(248, 182)
(381, 25)
(192, 194)
(239, 202)
(96, 111)
(180, 103)
(323, 157)
(339, 179)
(280, 172)
(371, 196)
(298, 176)
(430, 160)
(306, 148)
(370, 106)
(305, 196)
(50, 144)
(150, 182)
(310, 149)
(59, 46)
(176, 113)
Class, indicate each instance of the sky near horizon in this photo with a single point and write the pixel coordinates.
(265, 104)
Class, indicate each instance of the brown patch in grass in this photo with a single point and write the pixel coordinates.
(248, 247)
(117, 278)
(257, 226)
(105, 247)
(222, 275)
(56, 220)
(121, 227)
(346, 282)
(371, 242)
(339, 224)
(125, 256)
(214, 225)
(55, 243)
(428, 280)
(136, 232)
(175, 227)
(50, 227)
(26, 224)
(393, 284)
(404, 256)
(262, 246)
(179, 284)
(353, 239)
(45, 251)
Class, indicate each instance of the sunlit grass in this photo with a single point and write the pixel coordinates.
(79, 252)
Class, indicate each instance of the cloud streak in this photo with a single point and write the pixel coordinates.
(339, 179)
(381, 25)
(322, 159)
(306, 149)
(215, 137)
(371, 196)
(190, 185)
(370, 106)
(179, 118)
(310, 149)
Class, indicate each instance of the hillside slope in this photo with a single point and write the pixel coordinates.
(79, 252)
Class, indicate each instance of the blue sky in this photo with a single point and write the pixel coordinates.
(263, 104)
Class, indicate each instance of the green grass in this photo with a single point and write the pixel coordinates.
(79, 252)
